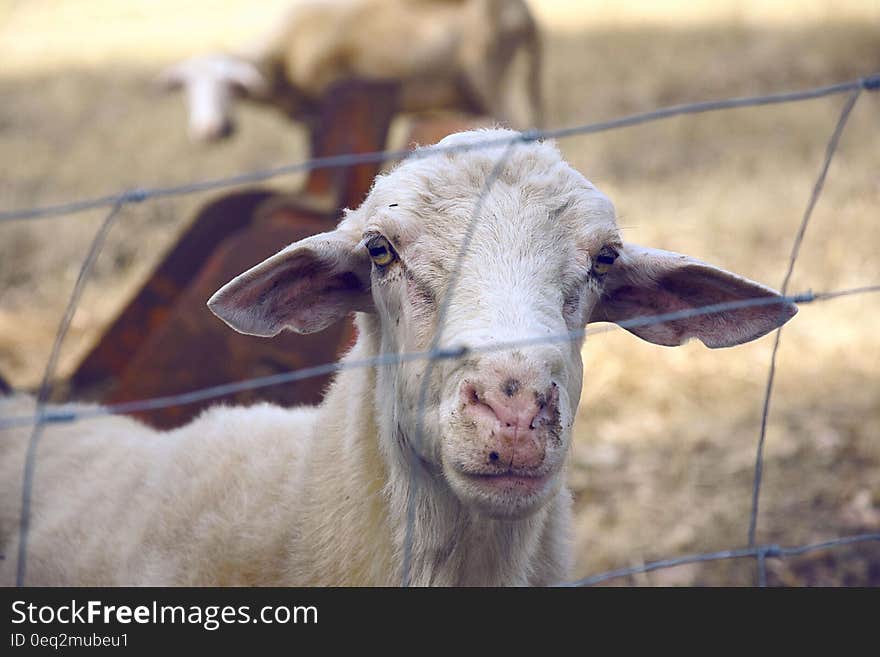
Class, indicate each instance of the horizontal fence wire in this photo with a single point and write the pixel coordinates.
(46, 414)
(352, 159)
(63, 414)
(758, 551)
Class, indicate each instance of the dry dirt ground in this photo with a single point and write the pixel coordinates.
(665, 443)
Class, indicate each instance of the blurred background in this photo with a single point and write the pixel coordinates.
(665, 442)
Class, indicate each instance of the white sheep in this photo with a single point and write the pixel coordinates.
(318, 495)
(446, 54)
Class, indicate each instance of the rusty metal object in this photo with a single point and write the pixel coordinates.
(193, 349)
(166, 341)
(424, 131)
(149, 309)
(355, 118)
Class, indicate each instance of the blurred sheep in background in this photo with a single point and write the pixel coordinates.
(445, 54)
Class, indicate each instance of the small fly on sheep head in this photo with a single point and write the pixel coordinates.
(545, 258)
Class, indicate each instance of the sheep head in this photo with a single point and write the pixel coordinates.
(545, 258)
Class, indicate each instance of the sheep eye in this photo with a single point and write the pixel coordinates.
(381, 251)
(604, 261)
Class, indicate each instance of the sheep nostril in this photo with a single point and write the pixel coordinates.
(493, 456)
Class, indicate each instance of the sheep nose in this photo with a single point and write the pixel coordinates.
(209, 131)
(517, 419)
(226, 129)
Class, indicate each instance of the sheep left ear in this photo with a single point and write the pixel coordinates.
(305, 288)
(643, 282)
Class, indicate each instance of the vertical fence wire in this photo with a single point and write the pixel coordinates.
(45, 390)
(818, 186)
(414, 465)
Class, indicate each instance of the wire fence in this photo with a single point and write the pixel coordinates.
(46, 414)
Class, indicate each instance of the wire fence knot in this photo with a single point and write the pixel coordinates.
(450, 352)
(134, 196)
(772, 551)
(56, 416)
(871, 83)
(528, 136)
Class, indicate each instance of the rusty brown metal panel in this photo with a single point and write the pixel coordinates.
(429, 130)
(193, 349)
(355, 118)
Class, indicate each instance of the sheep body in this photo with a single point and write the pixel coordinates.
(253, 496)
(115, 502)
(322, 495)
(445, 54)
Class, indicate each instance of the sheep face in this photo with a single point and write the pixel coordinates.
(497, 422)
(544, 258)
(211, 82)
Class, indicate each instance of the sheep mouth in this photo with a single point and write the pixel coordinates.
(509, 482)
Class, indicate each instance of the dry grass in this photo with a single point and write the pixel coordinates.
(663, 459)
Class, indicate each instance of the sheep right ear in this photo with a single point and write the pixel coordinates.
(644, 282)
(305, 287)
